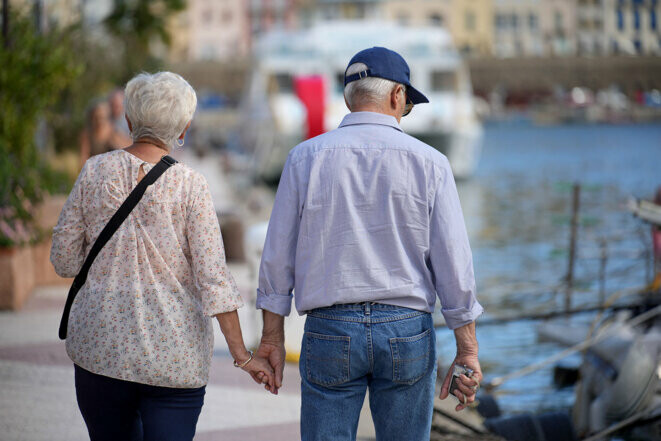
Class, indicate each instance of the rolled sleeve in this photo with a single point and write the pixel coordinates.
(276, 271)
(277, 303)
(456, 318)
(214, 283)
(450, 255)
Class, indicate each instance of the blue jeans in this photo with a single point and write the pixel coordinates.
(116, 410)
(348, 348)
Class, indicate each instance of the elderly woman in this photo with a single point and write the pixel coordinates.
(140, 331)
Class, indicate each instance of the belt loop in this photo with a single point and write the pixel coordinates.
(367, 308)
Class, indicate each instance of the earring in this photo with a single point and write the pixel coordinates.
(182, 142)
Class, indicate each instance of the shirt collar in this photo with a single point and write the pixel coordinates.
(355, 118)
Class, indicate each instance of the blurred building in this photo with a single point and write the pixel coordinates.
(590, 26)
(326, 10)
(471, 26)
(418, 12)
(632, 26)
(534, 27)
(558, 27)
(217, 29)
(469, 22)
(223, 29)
(266, 15)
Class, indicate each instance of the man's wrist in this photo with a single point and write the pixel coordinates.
(272, 339)
(466, 352)
(273, 331)
(466, 341)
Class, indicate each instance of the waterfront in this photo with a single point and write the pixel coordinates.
(517, 209)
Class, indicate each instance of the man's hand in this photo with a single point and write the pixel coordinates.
(259, 367)
(272, 348)
(466, 387)
(466, 356)
(274, 353)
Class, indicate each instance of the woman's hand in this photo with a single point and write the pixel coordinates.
(260, 371)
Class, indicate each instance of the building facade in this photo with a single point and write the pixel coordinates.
(517, 28)
(217, 29)
(632, 27)
(557, 22)
(224, 29)
(469, 22)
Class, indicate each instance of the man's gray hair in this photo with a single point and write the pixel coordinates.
(368, 90)
(159, 106)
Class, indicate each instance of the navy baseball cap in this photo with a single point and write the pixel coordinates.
(384, 63)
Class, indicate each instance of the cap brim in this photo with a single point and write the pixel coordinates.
(415, 96)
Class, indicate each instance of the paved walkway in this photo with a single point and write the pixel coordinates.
(38, 403)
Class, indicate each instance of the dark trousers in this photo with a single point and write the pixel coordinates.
(117, 410)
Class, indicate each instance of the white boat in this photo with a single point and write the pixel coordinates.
(275, 119)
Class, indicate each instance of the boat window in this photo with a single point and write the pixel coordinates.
(442, 81)
(282, 82)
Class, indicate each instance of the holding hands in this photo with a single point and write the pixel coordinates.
(274, 354)
(265, 367)
(260, 370)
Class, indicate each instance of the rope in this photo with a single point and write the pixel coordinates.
(464, 424)
(622, 424)
(576, 348)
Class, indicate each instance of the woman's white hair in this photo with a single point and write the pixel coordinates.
(159, 106)
(368, 90)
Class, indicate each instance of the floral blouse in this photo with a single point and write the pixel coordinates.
(144, 314)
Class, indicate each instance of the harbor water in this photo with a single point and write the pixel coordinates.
(518, 210)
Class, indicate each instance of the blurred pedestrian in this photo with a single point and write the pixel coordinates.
(140, 332)
(100, 135)
(117, 116)
(367, 231)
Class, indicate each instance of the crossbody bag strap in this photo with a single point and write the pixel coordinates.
(111, 227)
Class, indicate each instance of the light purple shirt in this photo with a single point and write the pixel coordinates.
(368, 213)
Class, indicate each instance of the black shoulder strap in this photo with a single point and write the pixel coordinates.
(111, 227)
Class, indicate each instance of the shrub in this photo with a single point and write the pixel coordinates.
(35, 68)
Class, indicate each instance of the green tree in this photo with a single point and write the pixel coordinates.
(139, 23)
(35, 68)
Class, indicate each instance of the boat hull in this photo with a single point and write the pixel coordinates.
(461, 147)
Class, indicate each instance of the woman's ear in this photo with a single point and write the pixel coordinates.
(128, 122)
(185, 130)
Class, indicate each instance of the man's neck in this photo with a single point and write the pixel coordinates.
(377, 109)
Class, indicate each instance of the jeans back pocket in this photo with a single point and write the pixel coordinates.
(327, 358)
(410, 357)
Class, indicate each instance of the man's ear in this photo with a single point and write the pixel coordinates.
(394, 97)
(347, 103)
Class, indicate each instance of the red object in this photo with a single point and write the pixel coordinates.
(311, 91)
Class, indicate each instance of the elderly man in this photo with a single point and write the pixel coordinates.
(368, 229)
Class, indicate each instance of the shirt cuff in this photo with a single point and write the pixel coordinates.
(277, 303)
(456, 318)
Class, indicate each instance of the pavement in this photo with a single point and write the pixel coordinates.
(38, 401)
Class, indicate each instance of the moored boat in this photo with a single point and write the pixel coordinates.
(296, 90)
